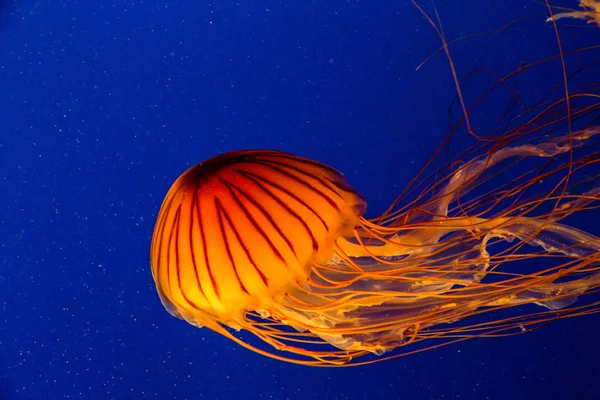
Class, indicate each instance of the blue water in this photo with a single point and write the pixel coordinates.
(104, 103)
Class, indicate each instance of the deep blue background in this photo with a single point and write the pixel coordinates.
(104, 103)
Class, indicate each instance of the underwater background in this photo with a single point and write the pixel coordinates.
(104, 103)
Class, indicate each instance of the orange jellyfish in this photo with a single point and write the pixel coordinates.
(272, 250)
(590, 12)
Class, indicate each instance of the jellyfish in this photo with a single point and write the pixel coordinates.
(274, 251)
(277, 245)
(590, 12)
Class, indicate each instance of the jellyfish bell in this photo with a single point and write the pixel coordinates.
(236, 231)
